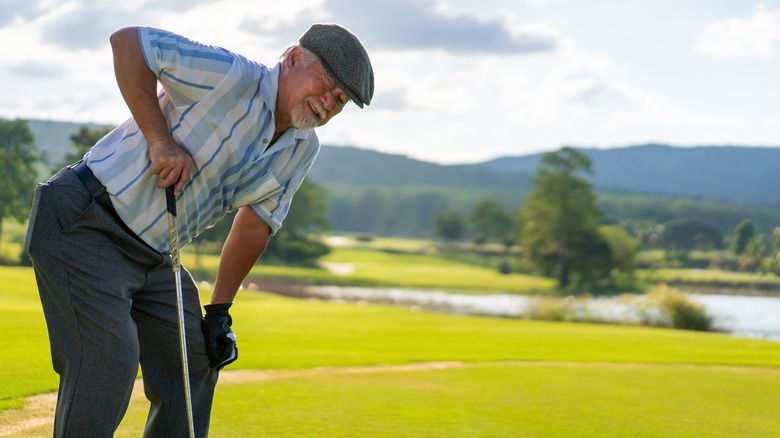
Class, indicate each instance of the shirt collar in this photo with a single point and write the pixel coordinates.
(269, 88)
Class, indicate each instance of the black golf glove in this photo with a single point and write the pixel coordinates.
(220, 339)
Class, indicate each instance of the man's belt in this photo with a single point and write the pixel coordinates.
(97, 190)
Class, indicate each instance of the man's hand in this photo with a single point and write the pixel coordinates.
(220, 339)
(171, 162)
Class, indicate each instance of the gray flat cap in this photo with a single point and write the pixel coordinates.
(344, 60)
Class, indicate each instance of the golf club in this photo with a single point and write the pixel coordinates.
(170, 199)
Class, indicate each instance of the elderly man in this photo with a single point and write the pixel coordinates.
(228, 133)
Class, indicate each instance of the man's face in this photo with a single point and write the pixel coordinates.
(317, 99)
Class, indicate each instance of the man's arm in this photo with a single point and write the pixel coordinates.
(138, 86)
(247, 240)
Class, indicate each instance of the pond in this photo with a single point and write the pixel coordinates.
(744, 316)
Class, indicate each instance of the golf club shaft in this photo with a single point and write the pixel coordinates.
(170, 199)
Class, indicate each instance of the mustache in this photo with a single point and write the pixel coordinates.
(317, 107)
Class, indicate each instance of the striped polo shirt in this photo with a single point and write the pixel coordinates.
(220, 107)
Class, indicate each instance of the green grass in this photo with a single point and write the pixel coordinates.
(296, 334)
(499, 400)
(25, 362)
(381, 268)
(421, 270)
(517, 378)
(708, 276)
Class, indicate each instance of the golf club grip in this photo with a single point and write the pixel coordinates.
(170, 200)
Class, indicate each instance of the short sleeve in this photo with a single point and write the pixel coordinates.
(187, 70)
(273, 210)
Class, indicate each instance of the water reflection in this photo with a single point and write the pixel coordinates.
(744, 316)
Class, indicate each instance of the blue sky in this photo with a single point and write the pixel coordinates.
(456, 81)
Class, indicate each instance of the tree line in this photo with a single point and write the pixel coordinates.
(562, 228)
(561, 231)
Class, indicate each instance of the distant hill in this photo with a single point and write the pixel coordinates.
(747, 175)
(54, 137)
(723, 173)
(350, 165)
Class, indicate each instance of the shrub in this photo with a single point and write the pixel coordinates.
(364, 237)
(662, 306)
(670, 307)
(569, 309)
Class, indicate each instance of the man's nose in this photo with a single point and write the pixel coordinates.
(328, 100)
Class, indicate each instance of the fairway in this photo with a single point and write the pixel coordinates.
(313, 368)
(372, 267)
(517, 399)
(497, 400)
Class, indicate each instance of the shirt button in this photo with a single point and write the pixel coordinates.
(265, 140)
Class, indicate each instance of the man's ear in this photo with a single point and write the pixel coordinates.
(294, 56)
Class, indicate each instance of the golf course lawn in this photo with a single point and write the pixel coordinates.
(368, 266)
(311, 368)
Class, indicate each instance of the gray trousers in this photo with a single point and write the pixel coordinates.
(110, 304)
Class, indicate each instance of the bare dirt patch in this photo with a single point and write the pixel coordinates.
(338, 268)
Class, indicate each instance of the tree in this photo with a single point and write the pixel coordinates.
(689, 234)
(294, 243)
(743, 234)
(591, 258)
(775, 248)
(515, 228)
(753, 257)
(81, 141)
(308, 211)
(623, 250)
(449, 225)
(488, 221)
(18, 175)
(560, 217)
(297, 242)
(411, 209)
(506, 229)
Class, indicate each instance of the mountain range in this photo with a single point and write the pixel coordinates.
(734, 174)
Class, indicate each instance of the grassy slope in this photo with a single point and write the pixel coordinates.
(377, 268)
(667, 387)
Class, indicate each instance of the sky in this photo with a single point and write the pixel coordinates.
(456, 81)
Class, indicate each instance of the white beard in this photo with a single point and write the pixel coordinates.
(303, 119)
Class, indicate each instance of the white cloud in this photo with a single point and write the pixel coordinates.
(37, 70)
(455, 81)
(754, 37)
(472, 108)
(435, 25)
(18, 10)
(773, 122)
